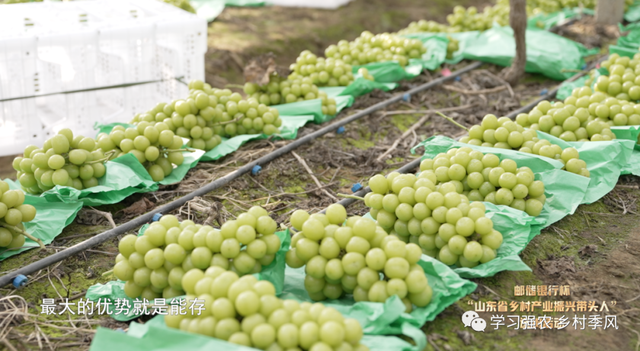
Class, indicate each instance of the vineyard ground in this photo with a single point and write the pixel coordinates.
(596, 251)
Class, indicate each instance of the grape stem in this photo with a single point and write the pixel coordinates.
(108, 155)
(18, 230)
(451, 120)
(227, 122)
(180, 150)
(239, 86)
(107, 273)
(351, 196)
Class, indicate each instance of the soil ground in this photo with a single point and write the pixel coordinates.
(595, 251)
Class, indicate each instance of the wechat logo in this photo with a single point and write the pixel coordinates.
(473, 320)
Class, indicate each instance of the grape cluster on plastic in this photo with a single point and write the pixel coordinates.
(572, 120)
(155, 146)
(13, 212)
(153, 264)
(245, 311)
(463, 20)
(623, 80)
(452, 47)
(484, 177)
(442, 221)
(368, 48)
(357, 258)
(280, 91)
(506, 134)
(63, 160)
(209, 114)
(330, 72)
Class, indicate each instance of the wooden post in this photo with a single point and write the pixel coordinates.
(518, 21)
(609, 11)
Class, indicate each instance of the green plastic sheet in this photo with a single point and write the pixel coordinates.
(548, 20)
(633, 13)
(51, 218)
(631, 40)
(547, 53)
(155, 335)
(605, 161)
(391, 71)
(114, 290)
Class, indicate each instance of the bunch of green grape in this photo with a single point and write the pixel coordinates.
(437, 217)
(154, 263)
(280, 91)
(506, 134)
(623, 81)
(357, 258)
(245, 311)
(155, 146)
(330, 72)
(483, 177)
(210, 114)
(368, 48)
(464, 20)
(63, 160)
(572, 120)
(13, 212)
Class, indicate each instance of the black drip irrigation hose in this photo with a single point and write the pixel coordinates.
(220, 182)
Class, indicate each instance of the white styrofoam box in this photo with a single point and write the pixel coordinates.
(102, 43)
(181, 49)
(68, 61)
(323, 4)
(127, 54)
(18, 73)
(18, 126)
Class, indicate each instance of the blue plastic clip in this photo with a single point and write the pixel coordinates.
(340, 130)
(256, 169)
(457, 78)
(406, 97)
(356, 187)
(156, 217)
(20, 281)
(544, 91)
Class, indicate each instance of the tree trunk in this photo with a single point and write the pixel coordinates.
(610, 11)
(518, 22)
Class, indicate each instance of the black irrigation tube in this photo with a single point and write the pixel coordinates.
(147, 217)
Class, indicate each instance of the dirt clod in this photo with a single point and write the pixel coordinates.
(557, 267)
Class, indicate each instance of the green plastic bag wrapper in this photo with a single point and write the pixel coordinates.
(358, 87)
(377, 318)
(465, 39)
(631, 40)
(548, 20)
(390, 71)
(633, 13)
(630, 133)
(51, 218)
(114, 290)
(564, 190)
(124, 176)
(547, 53)
(155, 335)
(605, 162)
(622, 51)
